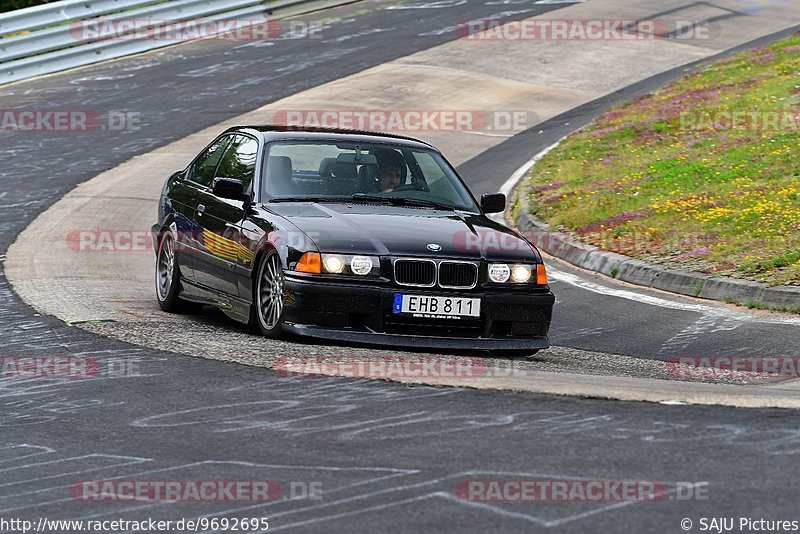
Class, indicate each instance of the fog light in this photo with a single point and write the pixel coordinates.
(499, 272)
(361, 265)
(334, 264)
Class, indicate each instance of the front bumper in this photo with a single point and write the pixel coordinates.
(357, 313)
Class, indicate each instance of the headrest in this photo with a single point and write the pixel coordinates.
(279, 175)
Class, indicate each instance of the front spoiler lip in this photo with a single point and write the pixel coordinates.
(419, 342)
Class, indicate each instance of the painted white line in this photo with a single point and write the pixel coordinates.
(651, 300)
(582, 283)
(429, 5)
(70, 459)
(486, 134)
(133, 461)
(39, 450)
(512, 182)
(577, 281)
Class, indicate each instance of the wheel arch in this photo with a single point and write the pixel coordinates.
(163, 226)
(264, 248)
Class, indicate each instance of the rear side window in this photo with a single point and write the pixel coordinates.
(239, 161)
(202, 171)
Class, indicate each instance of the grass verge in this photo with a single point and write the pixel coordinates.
(702, 175)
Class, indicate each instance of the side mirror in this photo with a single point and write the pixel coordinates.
(229, 188)
(493, 202)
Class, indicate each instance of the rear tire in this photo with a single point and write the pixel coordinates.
(168, 279)
(268, 296)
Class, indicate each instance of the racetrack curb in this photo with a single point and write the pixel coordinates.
(637, 272)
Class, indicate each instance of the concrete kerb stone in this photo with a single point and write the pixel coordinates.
(739, 290)
(627, 269)
(782, 295)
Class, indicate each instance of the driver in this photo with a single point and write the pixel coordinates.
(390, 176)
(391, 167)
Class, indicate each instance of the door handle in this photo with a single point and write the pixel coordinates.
(200, 209)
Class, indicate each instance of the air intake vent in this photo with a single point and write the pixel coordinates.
(415, 272)
(458, 275)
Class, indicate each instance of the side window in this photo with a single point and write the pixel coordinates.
(239, 160)
(202, 170)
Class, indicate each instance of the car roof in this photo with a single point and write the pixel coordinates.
(275, 133)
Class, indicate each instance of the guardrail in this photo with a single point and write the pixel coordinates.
(41, 39)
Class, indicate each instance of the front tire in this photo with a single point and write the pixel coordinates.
(268, 296)
(514, 354)
(168, 278)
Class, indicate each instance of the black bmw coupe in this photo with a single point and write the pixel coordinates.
(348, 236)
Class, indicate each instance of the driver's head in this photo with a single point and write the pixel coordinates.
(391, 167)
(390, 177)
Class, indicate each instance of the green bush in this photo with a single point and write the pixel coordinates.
(11, 5)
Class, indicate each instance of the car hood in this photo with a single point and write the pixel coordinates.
(405, 231)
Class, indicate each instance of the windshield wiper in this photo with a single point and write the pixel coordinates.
(310, 199)
(403, 201)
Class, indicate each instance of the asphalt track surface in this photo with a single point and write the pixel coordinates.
(387, 456)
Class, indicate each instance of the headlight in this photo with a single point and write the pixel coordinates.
(333, 263)
(517, 273)
(520, 273)
(348, 264)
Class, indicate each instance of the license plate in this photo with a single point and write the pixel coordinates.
(437, 307)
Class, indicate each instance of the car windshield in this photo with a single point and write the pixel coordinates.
(360, 172)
